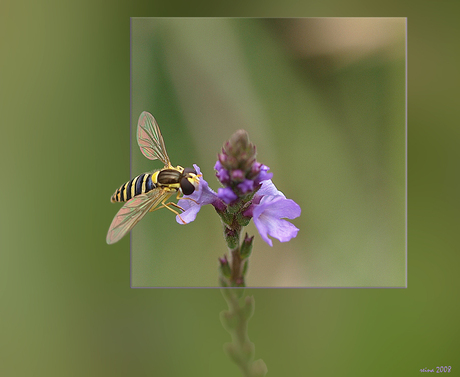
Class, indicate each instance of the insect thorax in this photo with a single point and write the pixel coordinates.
(169, 177)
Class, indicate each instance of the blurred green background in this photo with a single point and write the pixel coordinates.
(67, 308)
(324, 102)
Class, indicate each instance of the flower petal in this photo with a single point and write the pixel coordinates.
(268, 188)
(280, 207)
(190, 213)
(280, 229)
(268, 216)
(263, 174)
(263, 230)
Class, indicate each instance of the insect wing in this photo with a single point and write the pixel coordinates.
(150, 140)
(132, 212)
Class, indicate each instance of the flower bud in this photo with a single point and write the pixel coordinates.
(246, 246)
(238, 154)
(225, 267)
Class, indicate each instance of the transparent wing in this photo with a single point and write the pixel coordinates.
(150, 140)
(132, 212)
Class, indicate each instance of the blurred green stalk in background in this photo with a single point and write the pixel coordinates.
(235, 320)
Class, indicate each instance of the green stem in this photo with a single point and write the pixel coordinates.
(237, 277)
(232, 237)
(241, 350)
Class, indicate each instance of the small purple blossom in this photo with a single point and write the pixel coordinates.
(221, 173)
(218, 165)
(201, 196)
(246, 186)
(268, 218)
(226, 194)
(263, 175)
(269, 207)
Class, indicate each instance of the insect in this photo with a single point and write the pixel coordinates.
(150, 191)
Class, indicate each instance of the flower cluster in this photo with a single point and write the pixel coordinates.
(238, 170)
(247, 193)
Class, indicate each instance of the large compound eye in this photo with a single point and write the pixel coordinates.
(189, 170)
(186, 186)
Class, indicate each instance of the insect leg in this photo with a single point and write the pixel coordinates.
(167, 205)
(179, 198)
(175, 205)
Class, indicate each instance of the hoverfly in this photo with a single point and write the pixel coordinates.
(146, 192)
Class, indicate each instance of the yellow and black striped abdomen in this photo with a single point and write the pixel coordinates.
(138, 185)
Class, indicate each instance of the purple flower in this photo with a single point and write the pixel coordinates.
(246, 186)
(268, 218)
(221, 173)
(226, 194)
(201, 196)
(269, 208)
(263, 175)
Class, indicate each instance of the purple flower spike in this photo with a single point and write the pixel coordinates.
(268, 216)
(202, 196)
